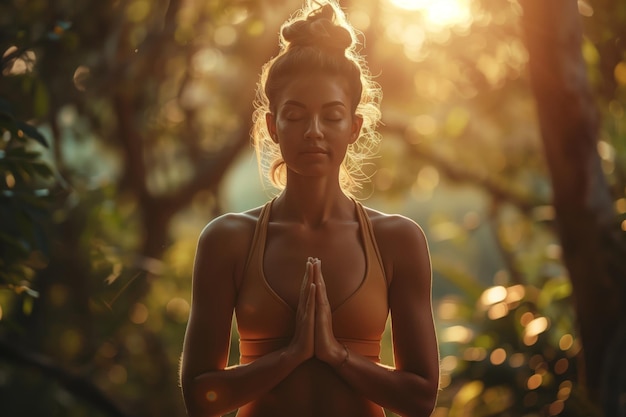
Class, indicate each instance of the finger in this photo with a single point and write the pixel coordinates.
(310, 302)
(304, 288)
(305, 279)
(319, 281)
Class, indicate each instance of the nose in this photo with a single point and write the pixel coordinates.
(314, 129)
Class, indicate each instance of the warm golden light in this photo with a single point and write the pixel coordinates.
(469, 391)
(526, 318)
(476, 354)
(444, 381)
(178, 309)
(439, 13)
(529, 340)
(515, 293)
(448, 309)
(449, 364)
(566, 341)
(456, 334)
(497, 311)
(498, 356)
(516, 360)
(410, 4)
(10, 180)
(534, 381)
(139, 314)
(23, 64)
(536, 326)
(561, 366)
(211, 396)
(493, 295)
(428, 178)
(556, 407)
(565, 389)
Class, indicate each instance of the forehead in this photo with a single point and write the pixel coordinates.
(313, 89)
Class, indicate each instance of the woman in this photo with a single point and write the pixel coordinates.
(312, 275)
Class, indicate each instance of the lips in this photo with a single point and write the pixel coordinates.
(314, 151)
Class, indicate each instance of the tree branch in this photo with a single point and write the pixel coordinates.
(499, 189)
(72, 381)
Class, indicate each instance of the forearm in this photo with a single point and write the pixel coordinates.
(218, 392)
(402, 392)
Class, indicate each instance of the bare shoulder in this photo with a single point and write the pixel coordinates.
(396, 233)
(232, 225)
(227, 238)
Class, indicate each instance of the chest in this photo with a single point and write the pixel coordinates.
(338, 246)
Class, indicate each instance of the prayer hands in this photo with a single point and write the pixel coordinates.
(314, 335)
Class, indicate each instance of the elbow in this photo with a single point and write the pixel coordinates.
(422, 406)
(428, 406)
(202, 398)
(429, 401)
(423, 399)
(190, 398)
(198, 402)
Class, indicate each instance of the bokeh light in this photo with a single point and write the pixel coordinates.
(439, 13)
(456, 334)
(139, 314)
(536, 326)
(498, 356)
(493, 295)
(534, 381)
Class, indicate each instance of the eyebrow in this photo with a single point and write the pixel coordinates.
(325, 105)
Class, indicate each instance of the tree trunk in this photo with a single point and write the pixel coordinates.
(586, 222)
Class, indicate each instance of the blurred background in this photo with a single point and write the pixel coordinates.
(125, 129)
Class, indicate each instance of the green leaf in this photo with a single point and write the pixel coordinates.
(32, 133)
(8, 123)
(43, 170)
(22, 154)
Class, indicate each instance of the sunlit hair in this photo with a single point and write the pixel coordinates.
(318, 38)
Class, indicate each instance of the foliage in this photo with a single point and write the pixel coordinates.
(513, 350)
(24, 205)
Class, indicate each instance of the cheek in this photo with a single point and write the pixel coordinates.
(285, 126)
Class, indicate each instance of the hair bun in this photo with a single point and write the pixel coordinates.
(318, 30)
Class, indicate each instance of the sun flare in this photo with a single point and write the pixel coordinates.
(438, 12)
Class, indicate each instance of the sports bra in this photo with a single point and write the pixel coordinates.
(266, 322)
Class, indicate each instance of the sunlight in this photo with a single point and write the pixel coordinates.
(438, 13)
(536, 326)
(456, 334)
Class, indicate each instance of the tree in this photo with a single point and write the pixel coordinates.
(587, 224)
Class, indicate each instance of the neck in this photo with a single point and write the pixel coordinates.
(313, 203)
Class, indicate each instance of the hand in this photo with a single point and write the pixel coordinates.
(303, 342)
(327, 348)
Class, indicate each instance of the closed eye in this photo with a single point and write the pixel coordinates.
(334, 116)
(294, 117)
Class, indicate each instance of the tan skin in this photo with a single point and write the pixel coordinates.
(311, 222)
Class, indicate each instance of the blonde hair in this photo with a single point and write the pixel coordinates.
(318, 37)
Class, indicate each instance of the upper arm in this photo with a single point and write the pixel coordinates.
(410, 298)
(218, 258)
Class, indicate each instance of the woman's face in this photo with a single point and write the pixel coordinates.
(313, 123)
